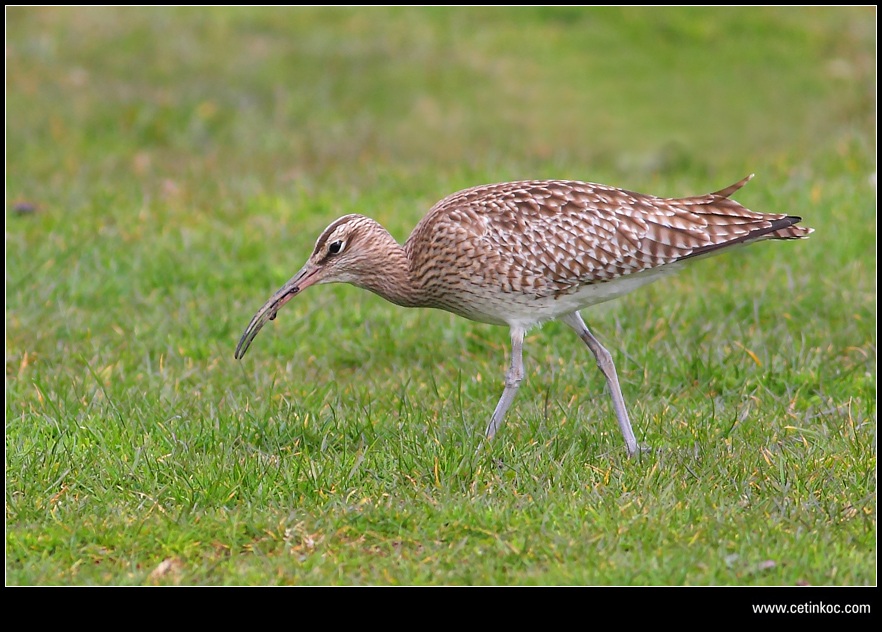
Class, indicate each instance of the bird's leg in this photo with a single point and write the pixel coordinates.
(512, 380)
(605, 362)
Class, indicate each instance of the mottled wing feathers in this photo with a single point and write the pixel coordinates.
(552, 236)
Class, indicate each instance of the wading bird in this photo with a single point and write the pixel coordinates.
(522, 253)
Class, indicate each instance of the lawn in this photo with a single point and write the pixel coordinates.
(169, 168)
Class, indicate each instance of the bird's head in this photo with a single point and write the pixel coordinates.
(342, 254)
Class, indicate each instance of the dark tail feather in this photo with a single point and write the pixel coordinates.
(784, 228)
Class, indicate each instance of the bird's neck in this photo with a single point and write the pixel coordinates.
(389, 273)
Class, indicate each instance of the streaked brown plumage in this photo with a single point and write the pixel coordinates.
(520, 253)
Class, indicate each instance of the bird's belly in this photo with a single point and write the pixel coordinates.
(529, 309)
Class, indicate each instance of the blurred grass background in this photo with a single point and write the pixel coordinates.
(168, 168)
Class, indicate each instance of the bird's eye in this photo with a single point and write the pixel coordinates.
(335, 248)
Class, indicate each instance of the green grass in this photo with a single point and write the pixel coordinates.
(167, 169)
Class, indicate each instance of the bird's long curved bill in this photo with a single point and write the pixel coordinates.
(302, 280)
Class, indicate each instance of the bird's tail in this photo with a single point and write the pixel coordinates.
(733, 224)
(791, 231)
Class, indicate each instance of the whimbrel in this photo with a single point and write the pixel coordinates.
(521, 253)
